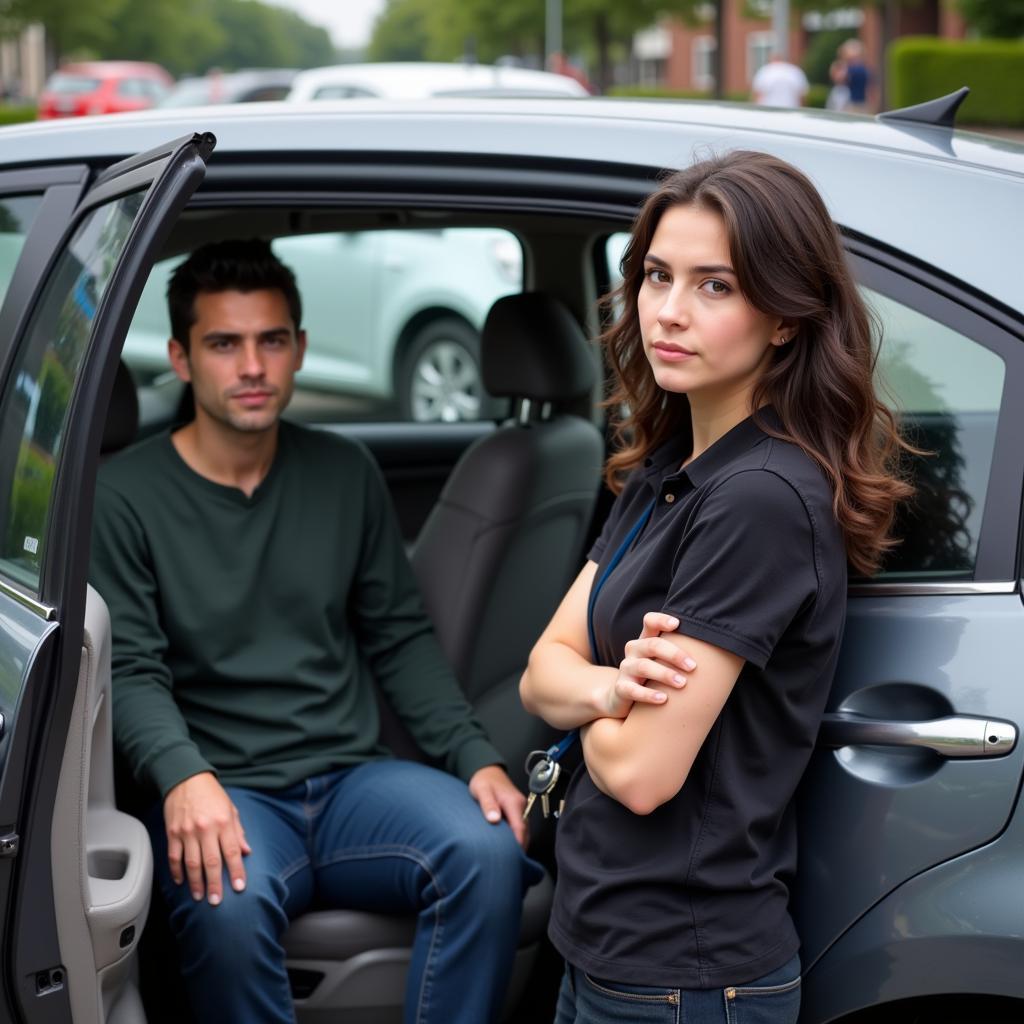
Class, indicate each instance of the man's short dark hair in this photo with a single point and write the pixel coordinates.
(241, 264)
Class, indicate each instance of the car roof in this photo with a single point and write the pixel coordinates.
(419, 80)
(948, 198)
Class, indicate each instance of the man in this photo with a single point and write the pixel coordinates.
(258, 591)
(779, 84)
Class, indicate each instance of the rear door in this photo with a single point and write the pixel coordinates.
(72, 293)
(918, 758)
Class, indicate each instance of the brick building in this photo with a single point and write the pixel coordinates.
(680, 56)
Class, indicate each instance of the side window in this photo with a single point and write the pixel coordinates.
(35, 403)
(392, 319)
(16, 215)
(947, 390)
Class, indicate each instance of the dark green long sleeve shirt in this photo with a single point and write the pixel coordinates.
(249, 632)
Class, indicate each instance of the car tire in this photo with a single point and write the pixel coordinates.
(438, 379)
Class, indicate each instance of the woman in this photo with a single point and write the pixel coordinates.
(757, 462)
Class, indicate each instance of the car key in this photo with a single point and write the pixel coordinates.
(543, 779)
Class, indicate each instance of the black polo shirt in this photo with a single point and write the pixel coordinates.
(743, 548)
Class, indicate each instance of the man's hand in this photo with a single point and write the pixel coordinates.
(648, 658)
(204, 831)
(498, 797)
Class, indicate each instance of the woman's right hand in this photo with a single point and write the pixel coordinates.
(649, 658)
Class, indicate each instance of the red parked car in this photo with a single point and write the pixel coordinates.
(103, 87)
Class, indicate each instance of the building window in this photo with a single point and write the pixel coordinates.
(760, 47)
(703, 62)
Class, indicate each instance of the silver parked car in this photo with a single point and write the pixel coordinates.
(909, 895)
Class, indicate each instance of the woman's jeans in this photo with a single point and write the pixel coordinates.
(390, 837)
(773, 999)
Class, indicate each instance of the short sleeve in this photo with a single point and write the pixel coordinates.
(745, 567)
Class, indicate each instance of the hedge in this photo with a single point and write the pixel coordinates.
(658, 93)
(922, 68)
(16, 115)
(815, 98)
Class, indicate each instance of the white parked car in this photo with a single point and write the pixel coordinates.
(421, 80)
(392, 316)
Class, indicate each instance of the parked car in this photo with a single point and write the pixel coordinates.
(419, 80)
(909, 893)
(103, 87)
(252, 85)
(393, 316)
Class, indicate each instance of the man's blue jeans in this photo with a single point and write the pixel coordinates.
(387, 836)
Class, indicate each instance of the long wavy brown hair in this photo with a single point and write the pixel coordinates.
(789, 263)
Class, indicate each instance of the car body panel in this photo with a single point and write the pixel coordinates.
(907, 658)
(955, 928)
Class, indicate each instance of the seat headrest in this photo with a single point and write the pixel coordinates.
(532, 347)
(122, 423)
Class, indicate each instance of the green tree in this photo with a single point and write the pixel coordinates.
(1000, 20)
(401, 31)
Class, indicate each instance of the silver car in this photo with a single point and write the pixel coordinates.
(909, 895)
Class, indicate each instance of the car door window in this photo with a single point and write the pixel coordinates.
(16, 216)
(947, 390)
(393, 321)
(39, 390)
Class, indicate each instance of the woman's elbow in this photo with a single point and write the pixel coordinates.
(640, 794)
(525, 697)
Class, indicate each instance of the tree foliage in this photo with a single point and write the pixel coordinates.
(185, 36)
(484, 30)
(999, 20)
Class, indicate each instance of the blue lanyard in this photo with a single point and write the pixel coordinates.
(556, 751)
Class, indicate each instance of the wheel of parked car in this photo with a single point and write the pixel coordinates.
(439, 378)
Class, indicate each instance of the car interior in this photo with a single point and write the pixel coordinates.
(497, 514)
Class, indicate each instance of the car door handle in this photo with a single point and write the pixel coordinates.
(954, 736)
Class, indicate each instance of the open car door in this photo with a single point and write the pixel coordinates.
(61, 333)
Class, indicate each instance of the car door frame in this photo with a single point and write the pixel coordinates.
(32, 977)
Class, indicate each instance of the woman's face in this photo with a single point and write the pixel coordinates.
(702, 337)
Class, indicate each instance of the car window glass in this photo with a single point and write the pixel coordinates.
(392, 320)
(16, 215)
(947, 390)
(35, 403)
(73, 85)
(342, 92)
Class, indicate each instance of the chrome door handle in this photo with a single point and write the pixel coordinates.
(955, 736)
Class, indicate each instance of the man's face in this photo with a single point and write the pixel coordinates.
(242, 358)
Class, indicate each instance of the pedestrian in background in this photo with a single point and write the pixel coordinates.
(779, 84)
(850, 79)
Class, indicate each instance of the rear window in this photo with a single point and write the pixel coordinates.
(72, 85)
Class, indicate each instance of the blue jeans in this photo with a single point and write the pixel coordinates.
(773, 999)
(390, 837)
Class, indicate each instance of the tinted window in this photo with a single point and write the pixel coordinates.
(35, 404)
(16, 215)
(947, 390)
(392, 318)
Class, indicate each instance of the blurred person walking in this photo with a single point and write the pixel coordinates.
(779, 84)
(850, 79)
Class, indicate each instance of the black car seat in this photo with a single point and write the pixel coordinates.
(505, 539)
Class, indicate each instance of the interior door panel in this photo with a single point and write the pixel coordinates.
(102, 859)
